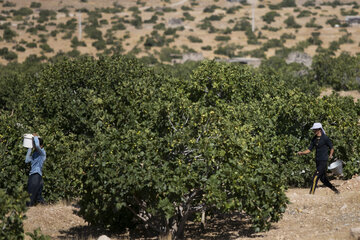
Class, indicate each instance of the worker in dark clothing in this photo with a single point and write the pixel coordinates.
(322, 144)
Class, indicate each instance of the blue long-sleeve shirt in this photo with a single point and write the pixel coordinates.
(37, 159)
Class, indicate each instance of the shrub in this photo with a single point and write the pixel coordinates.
(93, 32)
(153, 19)
(312, 24)
(188, 16)
(272, 43)
(304, 13)
(206, 24)
(31, 45)
(32, 31)
(186, 8)
(333, 22)
(232, 10)
(351, 12)
(215, 17)
(76, 43)
(252, 39)
(155, 40)
(19, 48)
(9, 4)
(53, 33)
(136, 21)
(210, 9)
(46, 48)
(222, 38)
(206, 48)
(269, 17)
(118, 26)
(35, 5)
(9, 34)
(309, 3)
(243, 25)
(228, 50)
(23, 12)
(195, 39)
(160, 26)
(291, 23)
(288, 3)
(99, 44)
(170, 31)
(314, 39)
(168, 9)
(10, 55)
(45, 14)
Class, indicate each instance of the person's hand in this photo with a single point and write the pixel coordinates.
(299, 153)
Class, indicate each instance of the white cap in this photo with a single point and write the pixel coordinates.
(318, 126)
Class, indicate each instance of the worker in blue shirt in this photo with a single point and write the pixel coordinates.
(322, 144)
(35, 182)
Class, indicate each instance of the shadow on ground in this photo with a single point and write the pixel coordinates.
(218, 227)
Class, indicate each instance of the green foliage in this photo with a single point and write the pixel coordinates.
(155, 40)
(291, 23)
(168, 154)
(12, 209)
(304, 13)
(269, 17)
(288, 3)
(227, 50)
(93, 32)
(99, 45)
(333, 22)
(309, 3)
(195, 39)
(23, 12)
(210, 9)
(188, 16)
(37, 235)
(339, 72)
(9, 34)
(222, 38)
(45, 14)
(46, 47)
(154, 146)
(35, 5)
(243, 25)
(12, 174)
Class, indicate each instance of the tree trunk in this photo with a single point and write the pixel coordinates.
(203, 219)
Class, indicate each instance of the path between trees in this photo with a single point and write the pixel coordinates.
(323, 216)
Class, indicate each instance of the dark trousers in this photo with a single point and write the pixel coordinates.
(321, 167)
(35, 186)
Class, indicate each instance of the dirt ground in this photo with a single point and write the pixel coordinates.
(323, 216)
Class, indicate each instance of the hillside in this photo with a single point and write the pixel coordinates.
(161, 28)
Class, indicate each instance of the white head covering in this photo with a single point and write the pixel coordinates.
(318, 126)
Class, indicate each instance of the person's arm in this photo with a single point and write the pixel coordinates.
(331, 153)
(37, 143)
(330, 145)
(28, 157)
(307, 151)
